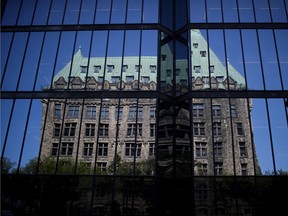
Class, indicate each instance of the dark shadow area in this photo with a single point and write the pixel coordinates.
(90, 195)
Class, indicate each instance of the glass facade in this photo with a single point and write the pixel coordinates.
(144, 107)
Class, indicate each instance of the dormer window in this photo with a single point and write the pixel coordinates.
(129, 79)
(211, 68)
(97, 68)
(110, 68)
(197, 69)
(168, 72)
(195, 45)
(124, 68)
(145, 79)
(177, 72)
(203, 53)
(84, 69)
(115, 79)
(163, 57)
(100, 79)
(220, 78)
(153, 68)
(205, 79)
(138, 67)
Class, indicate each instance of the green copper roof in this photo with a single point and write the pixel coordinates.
(198, 58)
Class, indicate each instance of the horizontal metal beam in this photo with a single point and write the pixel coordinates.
(83, 94)
(232, 94)
(142, 94)
(146, 26)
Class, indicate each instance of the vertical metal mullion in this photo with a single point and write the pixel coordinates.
(7, 130)
(24, 136)
(231, 120)
(270, 11)
(118, 109)
(30, 104)
(26, 47)
(267, 108)
(82, 105)
(12, 41)
(51, 86)
(211, 118)
(34, 86)
(286, 9)
(3, 7)
(42, 136)
(248, 107)
(206, 11)
(96, 155)
(101, 101)
(190, 87)
(137, 113)
(17, 86)
(279, 69)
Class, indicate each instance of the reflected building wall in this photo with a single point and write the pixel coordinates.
(222, 139)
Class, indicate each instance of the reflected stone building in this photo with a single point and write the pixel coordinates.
(222, 140)
(197, 137)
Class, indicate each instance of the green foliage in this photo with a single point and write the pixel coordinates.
(7, 166)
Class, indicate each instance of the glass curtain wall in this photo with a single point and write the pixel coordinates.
(144, 107)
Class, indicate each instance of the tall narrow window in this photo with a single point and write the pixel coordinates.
(104, 112)
(233, 111)
(104, 130)
(240, 129)
(57, 111)
(132, 113)
(201, 149)
(152, 130)
(218, 168)
(90, 130)
(198, 110)
(152, 112)
(88, 149)
(199, 128)
(216, 110)
(244, 169)
(217, 129)
(73, 111)
(91, 112)
(54, 150)
(70, 129)
(67, 149)
(56, 132)
(242, 149)
(151, 149)
(102, 149)
(218, 149)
